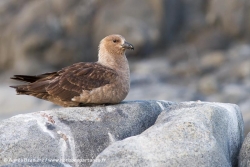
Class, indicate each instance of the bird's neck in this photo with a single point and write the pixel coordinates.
(118, 62)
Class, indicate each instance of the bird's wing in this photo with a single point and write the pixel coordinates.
(72, 80)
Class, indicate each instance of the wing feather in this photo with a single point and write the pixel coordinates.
(68, 82)
(72, 80)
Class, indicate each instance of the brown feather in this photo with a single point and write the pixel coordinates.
(30, 78)
(66, 83)
(74, 79)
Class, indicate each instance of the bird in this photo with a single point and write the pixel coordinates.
(106, 81)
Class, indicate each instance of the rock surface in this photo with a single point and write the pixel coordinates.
(73, 133)
(126, 134)
(244, 157)
(185, 134)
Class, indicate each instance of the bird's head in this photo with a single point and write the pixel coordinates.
(114, 45)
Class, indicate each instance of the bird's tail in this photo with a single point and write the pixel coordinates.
(35, 83)
(32, 78)
(21, 89)
(25, 78)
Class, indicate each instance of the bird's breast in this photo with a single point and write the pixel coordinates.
(114, 92)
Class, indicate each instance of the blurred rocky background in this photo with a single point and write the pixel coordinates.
(184, 49)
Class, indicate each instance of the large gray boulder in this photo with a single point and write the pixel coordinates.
(126, 134)
(194, 134)
(59, 137)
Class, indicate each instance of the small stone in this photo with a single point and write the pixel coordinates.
(208, 85)
(212, 60)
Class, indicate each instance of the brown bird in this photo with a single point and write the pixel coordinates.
(106, 81)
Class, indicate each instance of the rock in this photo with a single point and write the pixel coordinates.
(193, 16)
(185, 134)
(46, 33)
(239, 51)
(146, 26)
(78, 134)
(237, 67)
(245, 109)
(33, 35)
(244, 156)
(38, 34)
(235, 93)
(179, 53)
(212, 61)
(160, 90)
(157, 66)
(208, 85)
(210, 40)
(231, 15)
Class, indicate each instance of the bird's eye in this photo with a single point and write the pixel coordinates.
(114, 40)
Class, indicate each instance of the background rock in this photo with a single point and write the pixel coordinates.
(43, 30)
(185, 134)
(73, 133)
(228, 13)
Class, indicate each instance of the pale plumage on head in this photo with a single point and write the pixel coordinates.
(114, 44)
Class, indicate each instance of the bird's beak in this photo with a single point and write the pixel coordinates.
(127, 45)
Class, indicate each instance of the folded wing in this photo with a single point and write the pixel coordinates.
(68, 82)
